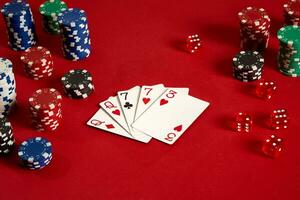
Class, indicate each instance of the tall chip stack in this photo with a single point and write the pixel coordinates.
(46, 109)
(289, 51)
(7, 86)
(20, 25)
(76, 43)
(247, 66)
(6, 136)
(291, 12)
(254, 29)
(49, 11)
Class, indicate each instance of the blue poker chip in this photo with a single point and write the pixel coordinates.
(72, 17)
(20, 25)
(34, 150)
(14, 8)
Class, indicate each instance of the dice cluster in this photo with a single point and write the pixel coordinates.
(278, 120)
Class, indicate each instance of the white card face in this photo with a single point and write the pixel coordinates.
(147, 96)
(128, 101)
(112, 107)
(170, 116)
(103, 121)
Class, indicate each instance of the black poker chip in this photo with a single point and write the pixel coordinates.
(247, 66)
(78, 83)
(6, 136)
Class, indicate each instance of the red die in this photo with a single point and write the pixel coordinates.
(279, 119)
(272, 146)
(242, 122)
(265, 89)
(193, 43)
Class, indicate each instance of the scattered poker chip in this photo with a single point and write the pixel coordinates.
(6, 136)
(35, 153)
(19, 24)
(78, 83)
(49, 11)
(247, 66)
(76, 43)
(7, 86)
(38, 62)
(46, 109)
(289, 51)
(254, 29)
(292, 12)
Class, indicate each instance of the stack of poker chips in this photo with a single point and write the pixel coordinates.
(77, 83)
(35, 153)
(291, 12)
(46, 109)
(254, 29)
(49, 11)
(75, 34)
(6, 136)
(247, 66)
(20, 25)
(38, 62)
(289, 51)
(7, 86)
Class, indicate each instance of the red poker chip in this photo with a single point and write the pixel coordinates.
(292, 8)
(45, 99)
(36, 55)
(253, 16)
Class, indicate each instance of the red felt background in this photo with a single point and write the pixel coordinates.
(140, 42)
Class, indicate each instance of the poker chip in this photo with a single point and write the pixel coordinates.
(247, 66)
(76, 43)
(78, 83)
(49, 11)
(35, 153)
(254, 29)
(289, 51)
(19, 25)
(291, 12)
(46, 109)
(7, 86)
(6, 136)
(38, 62)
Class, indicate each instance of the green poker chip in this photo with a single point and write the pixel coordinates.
(49, 11)
(289, 51)
(52, 8)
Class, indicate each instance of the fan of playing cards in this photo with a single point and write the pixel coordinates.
(141, 113)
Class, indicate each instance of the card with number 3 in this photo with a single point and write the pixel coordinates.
(170, 116)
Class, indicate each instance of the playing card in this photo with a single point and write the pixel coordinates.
(128, 101)
(170, 116)
(148, 95)
(113, 108)
(102, 120)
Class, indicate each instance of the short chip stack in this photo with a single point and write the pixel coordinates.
(291, 12)
(35, 153)
(289, 51)
(78, 83)
(38, 62)
(20, 25)
(6, 136)
(254, 29)
(46, 109)
(7, 86)
(76, 43)
(247, 66)
(49, 11)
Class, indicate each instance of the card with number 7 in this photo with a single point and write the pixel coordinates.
(148, 95)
